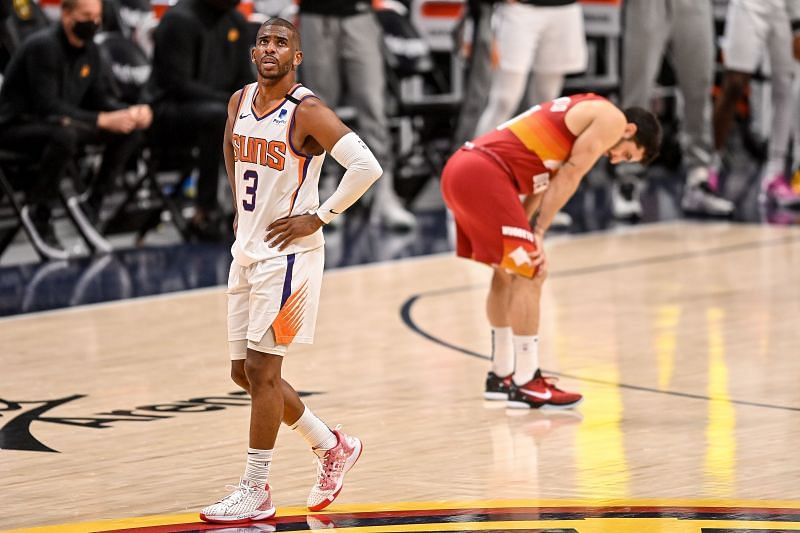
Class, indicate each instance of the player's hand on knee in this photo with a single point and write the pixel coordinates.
(284, 231)
(541, 270)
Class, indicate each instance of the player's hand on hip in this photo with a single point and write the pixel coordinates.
(284, 231)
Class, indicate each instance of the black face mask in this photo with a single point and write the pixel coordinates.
(85, 29)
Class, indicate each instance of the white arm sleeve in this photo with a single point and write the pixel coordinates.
(362, 171)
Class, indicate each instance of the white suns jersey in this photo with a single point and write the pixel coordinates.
(273, 179)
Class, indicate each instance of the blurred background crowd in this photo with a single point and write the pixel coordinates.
(112, 111)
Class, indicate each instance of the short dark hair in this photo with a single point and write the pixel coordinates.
(277, 21)
(648, 132)
(69, 5)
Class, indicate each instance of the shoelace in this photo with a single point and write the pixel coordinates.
(239, 492)
(551, 382)
(327, 469)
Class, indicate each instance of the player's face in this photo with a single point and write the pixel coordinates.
(625, 151)
(275, 54)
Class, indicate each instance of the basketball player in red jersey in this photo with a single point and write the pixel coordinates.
(540, 157)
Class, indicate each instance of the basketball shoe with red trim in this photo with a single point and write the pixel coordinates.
(541, 393)
(331, 469)
(497, 388)
(248, 502)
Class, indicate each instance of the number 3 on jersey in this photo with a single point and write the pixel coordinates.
(249, 203)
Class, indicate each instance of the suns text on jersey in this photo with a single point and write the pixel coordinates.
(270, 154)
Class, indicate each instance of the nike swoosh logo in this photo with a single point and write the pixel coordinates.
(334, 212)
(244, 116)
(540, 395)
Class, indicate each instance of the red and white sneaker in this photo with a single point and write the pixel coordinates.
(541, 393)
(247, 503)
(331, 469)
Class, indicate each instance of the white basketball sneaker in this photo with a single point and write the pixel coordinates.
(331, 469)
(248, 502)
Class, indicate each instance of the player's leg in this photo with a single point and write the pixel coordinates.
(467, 188)
(293, 406)
(693, 59)
(516, 35)
(646, 27)
(774, 182)
(251, 500)
(498, 303)
(529, 389)
(743, 47)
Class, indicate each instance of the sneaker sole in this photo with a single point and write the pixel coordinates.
(264, 515)
(544, 407)
(495, 396)
(329, 500)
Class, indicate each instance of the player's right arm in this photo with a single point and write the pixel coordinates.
(316, 125)
(601, 133)
(227, 151)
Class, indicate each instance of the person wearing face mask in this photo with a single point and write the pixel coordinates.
(54, 101)
(200, 58)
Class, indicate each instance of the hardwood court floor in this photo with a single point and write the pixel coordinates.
(683, 337)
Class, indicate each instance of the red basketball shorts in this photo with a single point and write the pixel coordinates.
(491, 226)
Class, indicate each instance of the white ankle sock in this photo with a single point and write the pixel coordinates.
(526, 350)
(315, 432)
(502, 351)
(258, 463)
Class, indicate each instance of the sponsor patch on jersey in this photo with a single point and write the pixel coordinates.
(541, 182)
(281, 118)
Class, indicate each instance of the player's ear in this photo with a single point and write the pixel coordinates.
(630, 130)
(253, 54)
(298, 58)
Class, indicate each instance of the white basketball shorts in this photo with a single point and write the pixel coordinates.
(753, 36)
(273, 303)
(539, 38)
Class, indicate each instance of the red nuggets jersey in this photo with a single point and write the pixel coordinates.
(533, 145)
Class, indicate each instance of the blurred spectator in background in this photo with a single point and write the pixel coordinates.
(18, 19)
(345, 34)
(686, 28)
(54, 101)
(540, 40)
(476, 44)
(753, 27)
(200, 57)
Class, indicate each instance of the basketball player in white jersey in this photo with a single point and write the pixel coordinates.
(275, 140)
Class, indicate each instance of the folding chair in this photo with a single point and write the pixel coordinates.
(421, 105)
(16, 214)
(144, 197)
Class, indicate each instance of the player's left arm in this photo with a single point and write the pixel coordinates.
(315, 120)
(598, 137)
